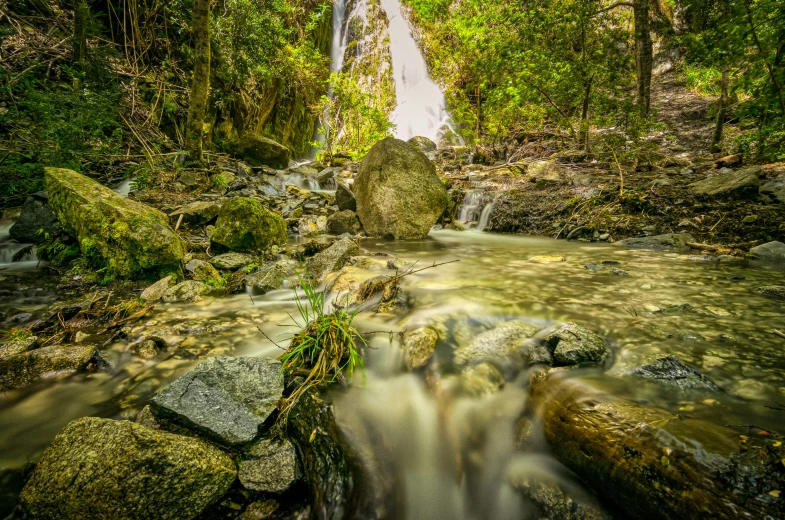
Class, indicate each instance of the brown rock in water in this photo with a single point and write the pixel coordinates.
(652, 464)
(729, 161)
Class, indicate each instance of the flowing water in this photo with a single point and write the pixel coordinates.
(705, 313)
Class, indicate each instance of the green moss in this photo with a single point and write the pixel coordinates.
(244, 225)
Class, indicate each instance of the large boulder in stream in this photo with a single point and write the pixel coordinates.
(104, 469)
(260, 151)
(652, 464)
(244, 225)
(124, 237)
(225, 399)
(398, 193)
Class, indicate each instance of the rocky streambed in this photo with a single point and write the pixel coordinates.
(505, 376)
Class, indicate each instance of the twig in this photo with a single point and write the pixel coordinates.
(778, 333)
(718, 223)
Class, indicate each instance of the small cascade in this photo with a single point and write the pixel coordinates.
(422, 107)
(124, 188)
(304, 182)
(9, 247)
(476, 208)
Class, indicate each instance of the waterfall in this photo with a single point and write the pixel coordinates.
(485, 218)
(476, 208)
(422, 108)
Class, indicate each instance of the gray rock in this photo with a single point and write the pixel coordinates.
(190, 178)
(260, 151)
(534, 352)
(502, 342)
(231, 261)
(205, 272)
(226, 399)
(423, 144)
(19, 346)
(197, 213)
(398, 192)
(418, 347)
(615, 271)
(189, 291)
(593, 267)
(736, 184)
(156, 291)
(667, 241)
(572, 344)
(103, 469)
(669, 370)
(344, 198)
(556, 504)
(345, 221)
(772, 291)
(147, 349)
(772, 252)
(331, 259)
(269, 466)
(266, 280)
(35, 222)
(775, 189)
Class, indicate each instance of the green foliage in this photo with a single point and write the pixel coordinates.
(9, 336)
(324, 349)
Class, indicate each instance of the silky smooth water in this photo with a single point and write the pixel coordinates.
(708, 314)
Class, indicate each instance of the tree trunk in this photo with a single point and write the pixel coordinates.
(644, 54)
(716, 145)
(200, 86)
(81, 21)
(584, 136)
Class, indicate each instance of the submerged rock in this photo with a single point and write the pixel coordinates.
(269, 466)
(771, 251)
(650, 463)
(36, 222)
(572, 344)
(225, 399)
(231, 261)
(260, 151)
(156, 291)
(115, 233)
(398, 192)
(25, 368)
(418, 347)
(736, 184)
(554, 503)
(331, 259)
(670, 240)
(772, 291)
(245, 226)
(502, 342)
(669, 370)
(106, 469)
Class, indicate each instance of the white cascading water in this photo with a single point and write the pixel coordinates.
(422, 108)
(474, 209)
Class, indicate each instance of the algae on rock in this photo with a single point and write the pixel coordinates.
(118, 235)
(244, 225)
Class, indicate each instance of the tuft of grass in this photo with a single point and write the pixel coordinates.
(325, 349)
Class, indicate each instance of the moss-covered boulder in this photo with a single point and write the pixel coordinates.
(245, 226)
(28, 367)
(124, 237)
(398, 193)
(105, 469)
(260, 151)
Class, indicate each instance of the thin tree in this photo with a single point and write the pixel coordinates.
(716, 145)
(81, 22)
(200, 85)
(644, 54)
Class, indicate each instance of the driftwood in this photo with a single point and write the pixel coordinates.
(644, 461)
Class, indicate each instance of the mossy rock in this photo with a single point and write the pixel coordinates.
(260, 151)
(25, 368)
(105, 469)
(245, 226)
(117, 235)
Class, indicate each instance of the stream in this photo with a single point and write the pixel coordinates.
(705, 313)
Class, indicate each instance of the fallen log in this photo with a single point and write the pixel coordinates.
(652, 464)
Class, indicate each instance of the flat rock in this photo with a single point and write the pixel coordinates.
(189, 291)
(197, 213)
(344, 198)
(573, 344)
(266, 280)
(19, 346)
(735, 184)
(772, 291)
(501, 342)
(269, 466)
(231, 261)
(226, 399)
(26, 368)
(105, 469)
(775, 189)
(332, 258)
(772, 252)
(667, 241)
